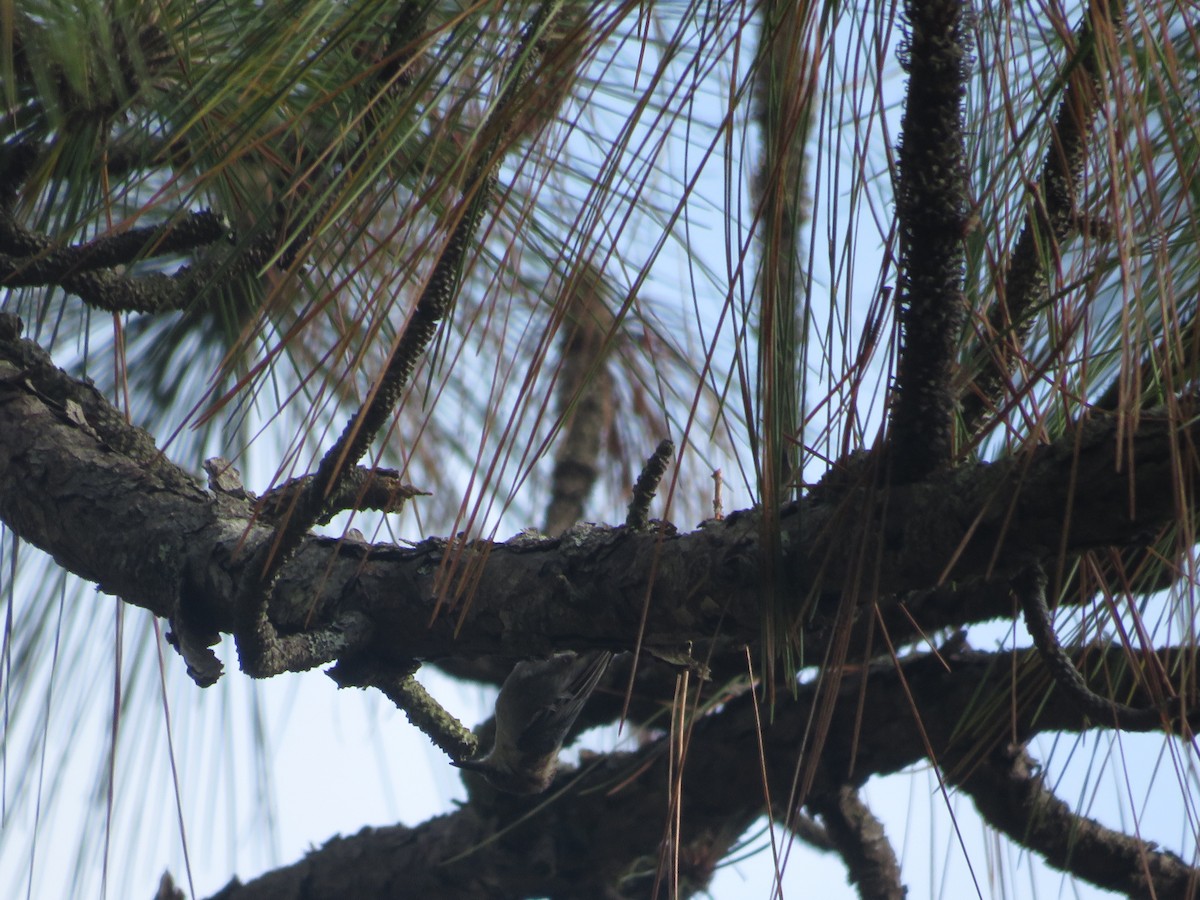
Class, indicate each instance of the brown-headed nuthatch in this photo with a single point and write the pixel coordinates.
(538, 703)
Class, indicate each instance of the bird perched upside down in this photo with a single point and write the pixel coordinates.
(538, 703)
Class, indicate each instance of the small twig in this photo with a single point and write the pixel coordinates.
(647, 484)
(423, 711)
(1030, 588)
(361, 488)
(811, 832)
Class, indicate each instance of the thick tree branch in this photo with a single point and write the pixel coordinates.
(64, 448)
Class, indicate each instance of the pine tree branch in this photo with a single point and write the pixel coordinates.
(1030, 588)
(114, 494)
(1016, 801)
(48, 264)
(1052, 210)
(86, 270)
(784, 99)
(600, 829)
(931, 220)
(647, 484)
(858, 835)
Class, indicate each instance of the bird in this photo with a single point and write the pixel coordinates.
(538, 703)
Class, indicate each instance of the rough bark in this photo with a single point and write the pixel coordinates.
(64, 449)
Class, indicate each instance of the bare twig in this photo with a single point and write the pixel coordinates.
(1030, 588)
(402, 688)
(361, 488)
(647, 484)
